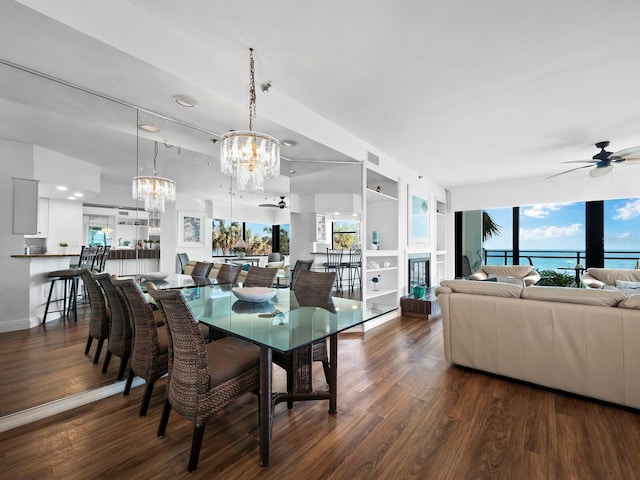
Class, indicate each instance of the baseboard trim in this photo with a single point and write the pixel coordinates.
(45, 410)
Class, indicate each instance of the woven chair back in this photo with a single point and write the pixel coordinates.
(120, 335)
(201, 269)
(228, 273)
(146, 359)
(99, 321)
(300, 265)
(189, 374)
(260, 277)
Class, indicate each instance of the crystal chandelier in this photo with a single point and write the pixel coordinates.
(155, 191)
(247, 155)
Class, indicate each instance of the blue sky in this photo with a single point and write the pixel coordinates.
(560, 226)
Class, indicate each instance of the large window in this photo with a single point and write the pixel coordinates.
(284, 238)
(552, 235)
(621, 232)
(345, 234)
(224, 236)
(258, 236)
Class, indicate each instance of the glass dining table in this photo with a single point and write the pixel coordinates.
(286, 323)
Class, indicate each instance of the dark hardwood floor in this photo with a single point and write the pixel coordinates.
(47, 362)
(403, 412)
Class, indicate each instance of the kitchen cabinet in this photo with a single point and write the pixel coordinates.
(42, 220)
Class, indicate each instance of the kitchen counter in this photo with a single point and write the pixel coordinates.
(46, 255)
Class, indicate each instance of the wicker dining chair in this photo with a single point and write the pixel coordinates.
(201, 269)
(228, 273)
(120, 334)
(300, 265)
(203, 378)
(260, 277)
(150, 352)
(313, 289)
(99, 323)
(334, 263)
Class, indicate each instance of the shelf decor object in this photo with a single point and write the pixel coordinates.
(375, 241)
(247, 155)
(153, 190)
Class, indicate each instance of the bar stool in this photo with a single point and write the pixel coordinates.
(70, 278)
(334, 262)
(354, 265)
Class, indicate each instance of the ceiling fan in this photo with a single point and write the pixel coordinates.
(603, 161)
(281, 204)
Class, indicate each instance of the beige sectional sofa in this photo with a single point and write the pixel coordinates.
(601, 277)
(524, 272)
(583, 341)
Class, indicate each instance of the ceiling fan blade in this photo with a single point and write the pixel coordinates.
(600, 171)
(627, 153)
(569, 171)
(582, 161)
(267, 205)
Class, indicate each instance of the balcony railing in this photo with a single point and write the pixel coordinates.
(554, 259)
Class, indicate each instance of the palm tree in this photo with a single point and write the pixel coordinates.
(489, 226)
(224, 235)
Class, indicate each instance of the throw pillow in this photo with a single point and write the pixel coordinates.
(623, 284)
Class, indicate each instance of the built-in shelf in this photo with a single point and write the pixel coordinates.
(441, 252)
(379, 293)
(373, 196)
(382, 253)
(381, 269)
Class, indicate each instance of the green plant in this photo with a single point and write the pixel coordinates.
(63, 244)
(553, 278)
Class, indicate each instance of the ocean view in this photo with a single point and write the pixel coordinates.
(553, 259)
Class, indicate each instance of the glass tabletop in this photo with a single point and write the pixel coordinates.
(286, 321)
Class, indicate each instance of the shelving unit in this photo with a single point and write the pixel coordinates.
(440, 268)
(382, 217)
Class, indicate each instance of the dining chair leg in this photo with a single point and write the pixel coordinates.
(148, 390)
(107, 360)
(98, 350)
(196, 445)
(164, 419)
(127, 386)
(123, 368)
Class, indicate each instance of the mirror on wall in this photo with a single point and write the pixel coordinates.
(95, 146)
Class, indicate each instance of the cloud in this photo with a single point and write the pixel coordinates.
(543, 210)
(550, 232)
(630, 210)
(624, 235)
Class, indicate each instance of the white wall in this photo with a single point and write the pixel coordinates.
(573, 187)
(16, 160)
(65, 225)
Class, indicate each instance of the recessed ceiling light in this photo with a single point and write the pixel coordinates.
(148, 128)
(185, 101)
(78, 194)
(289, 143)
(62, 188)
(71, 198)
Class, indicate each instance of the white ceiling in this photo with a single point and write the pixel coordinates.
(464, 92)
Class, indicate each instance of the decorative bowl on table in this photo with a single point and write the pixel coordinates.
(154, 276)
(254, 294)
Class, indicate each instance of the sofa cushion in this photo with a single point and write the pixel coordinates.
(625, 284)
(632, 301)
(508, 270)
(493, 289)
(604, 298)
(609, 275)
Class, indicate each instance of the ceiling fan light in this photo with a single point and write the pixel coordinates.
(600, 171)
